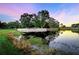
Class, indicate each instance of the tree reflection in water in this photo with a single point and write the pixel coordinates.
(51, 37)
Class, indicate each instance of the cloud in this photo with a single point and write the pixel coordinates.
(66, 16)
(16, 10)
(4, 18)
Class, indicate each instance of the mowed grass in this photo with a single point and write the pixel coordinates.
(6, 48)
(4, 33)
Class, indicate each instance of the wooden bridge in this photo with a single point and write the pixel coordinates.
(28, 30)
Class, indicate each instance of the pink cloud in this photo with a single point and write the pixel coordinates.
(15, 10)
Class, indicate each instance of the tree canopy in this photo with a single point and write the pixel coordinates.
(41, 20)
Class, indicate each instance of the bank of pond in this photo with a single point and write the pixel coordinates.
(56, 43)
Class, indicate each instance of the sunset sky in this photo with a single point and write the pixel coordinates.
(64, 13)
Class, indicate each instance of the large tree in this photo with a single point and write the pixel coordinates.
(26, 20)
(41, 20)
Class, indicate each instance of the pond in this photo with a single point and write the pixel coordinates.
(67, 42)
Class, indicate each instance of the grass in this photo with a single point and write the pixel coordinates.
(6, 48)
(36, 41)
(4, 32)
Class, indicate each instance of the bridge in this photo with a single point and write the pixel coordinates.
(38, 32)
(29, 30)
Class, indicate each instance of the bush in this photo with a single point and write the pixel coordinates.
(36, 41)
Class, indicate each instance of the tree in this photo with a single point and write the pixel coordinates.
(53, 23)
(26, 20)
(42, 20)
(3, 25)
(75, 25)
(15, 24)
(38, 23)
(47, 20)
(43, 15)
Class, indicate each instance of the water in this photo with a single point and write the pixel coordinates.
(67, 42)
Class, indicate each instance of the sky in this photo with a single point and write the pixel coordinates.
(66, 13)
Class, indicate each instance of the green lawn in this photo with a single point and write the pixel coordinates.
(4, 32)
(5, 46)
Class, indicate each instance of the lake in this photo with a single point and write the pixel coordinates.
(67, 42)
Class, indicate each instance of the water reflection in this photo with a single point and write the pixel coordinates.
(66, 41)
(50, 38)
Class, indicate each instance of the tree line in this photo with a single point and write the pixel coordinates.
(41, 20)
(9, 25)
(75, 25)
